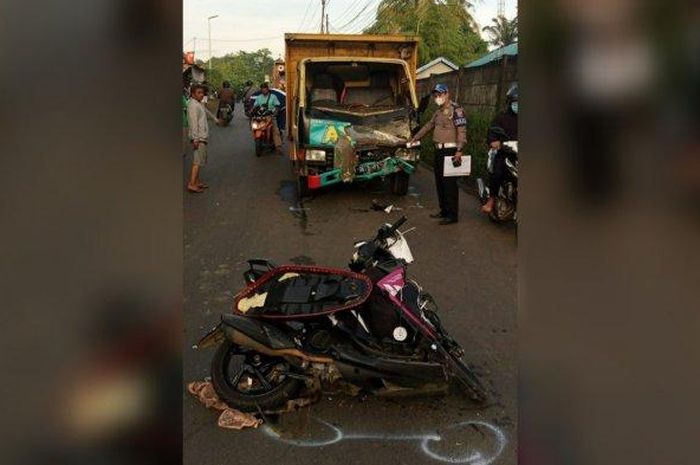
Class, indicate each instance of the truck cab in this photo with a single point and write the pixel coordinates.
(352, 109)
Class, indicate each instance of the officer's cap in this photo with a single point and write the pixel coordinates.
(440, 89)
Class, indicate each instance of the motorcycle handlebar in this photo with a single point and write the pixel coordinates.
(385, 231)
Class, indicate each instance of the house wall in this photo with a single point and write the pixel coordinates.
(438, 68)
(476, 89)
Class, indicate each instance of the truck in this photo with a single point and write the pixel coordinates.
(351, 108)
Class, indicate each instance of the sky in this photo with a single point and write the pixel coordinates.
(254, 24)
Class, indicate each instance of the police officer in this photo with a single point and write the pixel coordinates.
(450, 134)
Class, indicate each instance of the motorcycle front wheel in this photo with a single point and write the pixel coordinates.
(248, 380)
(258, 147)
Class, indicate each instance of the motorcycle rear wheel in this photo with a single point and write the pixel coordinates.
(263, 376)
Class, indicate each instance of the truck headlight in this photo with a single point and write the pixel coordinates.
(407, 154)
(315, 155)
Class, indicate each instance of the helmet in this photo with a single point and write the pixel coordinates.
(496, 133)
(512, 95)
(226, 84)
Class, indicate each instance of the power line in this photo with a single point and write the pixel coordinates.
(308, 7)
(347, 13)
(367, 5)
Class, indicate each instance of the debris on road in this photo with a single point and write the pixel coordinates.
(376, 206)
(230, 418)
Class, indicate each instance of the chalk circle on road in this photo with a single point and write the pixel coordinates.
(484, 443)
(333, 435)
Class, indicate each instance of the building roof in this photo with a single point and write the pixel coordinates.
(510, 50)
(435, 62)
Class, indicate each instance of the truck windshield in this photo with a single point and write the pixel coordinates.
(357, 87)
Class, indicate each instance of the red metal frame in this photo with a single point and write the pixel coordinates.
(280, 270)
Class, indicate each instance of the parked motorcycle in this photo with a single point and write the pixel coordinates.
(296, 327)
(261, 125)
(505, 207)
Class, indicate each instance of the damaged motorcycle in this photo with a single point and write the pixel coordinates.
(294, 328)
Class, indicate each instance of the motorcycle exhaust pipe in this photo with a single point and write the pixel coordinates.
(242, 339)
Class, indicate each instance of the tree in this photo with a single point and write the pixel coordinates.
(446, 27)
(503, 31)
(237, 68)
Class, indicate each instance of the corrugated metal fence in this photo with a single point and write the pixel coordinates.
(480, 89)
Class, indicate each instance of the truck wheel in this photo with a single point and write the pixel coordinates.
(303, 187)
(258, 147)
(399, 183)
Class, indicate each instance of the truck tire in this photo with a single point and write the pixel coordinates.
(399, 183)
(303, 187)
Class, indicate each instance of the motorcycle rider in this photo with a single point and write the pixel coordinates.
(508, 120)
(227, 96)
(248, 92)
(496, 138)
(270, 101)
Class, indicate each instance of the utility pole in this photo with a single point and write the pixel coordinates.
(328, 29)
(501, 8)
(209, 23)
(323, 15)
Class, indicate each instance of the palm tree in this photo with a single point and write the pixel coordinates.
(503, 31)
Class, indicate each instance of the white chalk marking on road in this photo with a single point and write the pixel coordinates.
(425, 439)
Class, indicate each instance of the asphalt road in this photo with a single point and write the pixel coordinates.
(251, 210)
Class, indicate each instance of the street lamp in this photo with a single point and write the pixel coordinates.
(209, 24)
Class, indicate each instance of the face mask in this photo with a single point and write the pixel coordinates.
(440, 101)
(514, 107)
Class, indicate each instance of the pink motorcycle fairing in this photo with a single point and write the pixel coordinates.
(392, 284)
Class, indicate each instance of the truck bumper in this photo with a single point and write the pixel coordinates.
(390, 166)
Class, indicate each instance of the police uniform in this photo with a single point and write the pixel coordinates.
(449, 125)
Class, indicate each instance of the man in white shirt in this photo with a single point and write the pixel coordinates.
(199, 136)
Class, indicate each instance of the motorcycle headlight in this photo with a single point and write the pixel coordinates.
(255, 125)
(315, 155)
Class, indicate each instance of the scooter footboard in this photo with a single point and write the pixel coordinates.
(355, 366)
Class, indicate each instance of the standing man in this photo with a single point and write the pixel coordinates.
(450, 134)
(199, 136)
(270, 101)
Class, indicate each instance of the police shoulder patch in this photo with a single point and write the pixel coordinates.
(458, 117)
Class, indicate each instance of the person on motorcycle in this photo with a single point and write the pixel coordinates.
(508, 120)
(227, 96)
(247, 95)
(270, 101)
(496, 138)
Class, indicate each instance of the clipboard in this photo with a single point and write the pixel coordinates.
(464, 170)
